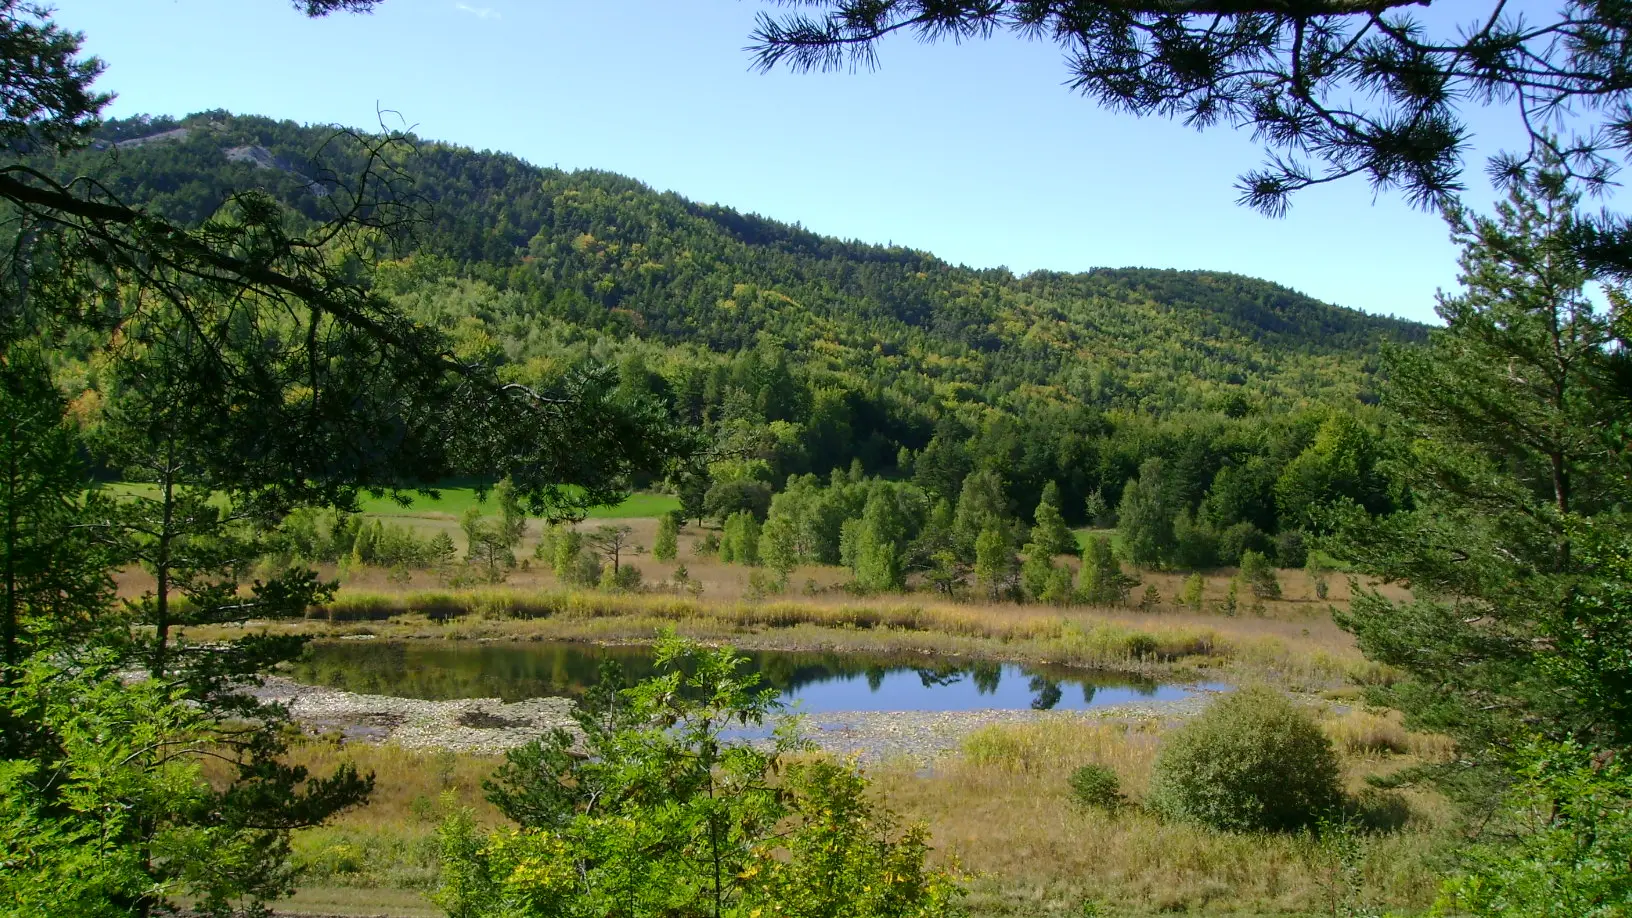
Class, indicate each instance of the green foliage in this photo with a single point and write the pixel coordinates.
(1191, 594)
(664, 815)
(740, 496)
(1050, 533)
(1567, 840)
(983, 506)
(1516, 546)
(947, 574)
(1195, 546)
(1095, 786)
(624, 578)
(53, 580)
(667, 542)
(1291, 549)
(1103, 583)
(1236, 542)
(1150, 599)
(103, 818)
(739, 540)
(1036, 572)
(1339, 466)
(1251, 761)
(568, 560)
(1145, 518)
(489, 545)
(994, 564)
(1258, 575)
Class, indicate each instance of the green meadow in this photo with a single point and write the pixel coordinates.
(453, 502)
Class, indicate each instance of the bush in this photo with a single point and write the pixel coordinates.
(1236, 541)
(624, 578)
(1258, 576)
(1097, 787)
(1291, 549)
(1251, 761)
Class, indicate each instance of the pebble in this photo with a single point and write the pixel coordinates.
(489, 726)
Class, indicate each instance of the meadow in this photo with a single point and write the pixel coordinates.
(1001, 812)
(1000, 808)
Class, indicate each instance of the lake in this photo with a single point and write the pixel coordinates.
(816, 682)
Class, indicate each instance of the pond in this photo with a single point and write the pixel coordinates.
(816, 682)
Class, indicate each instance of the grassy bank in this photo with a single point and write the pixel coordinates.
(453, 502)
(1308, 655)
(1001, 810)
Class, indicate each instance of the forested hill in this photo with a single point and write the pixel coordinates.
(861, 352)
(604, 251)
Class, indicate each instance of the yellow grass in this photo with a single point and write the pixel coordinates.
(1305, 654)
(1001, 809)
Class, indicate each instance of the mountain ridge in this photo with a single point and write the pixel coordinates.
(608, 255)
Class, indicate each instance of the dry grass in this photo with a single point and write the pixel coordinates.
(390, 844)
(1360, 733)
(1309, 654)
(1003, 810)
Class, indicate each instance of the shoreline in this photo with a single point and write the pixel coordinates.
(491, 726)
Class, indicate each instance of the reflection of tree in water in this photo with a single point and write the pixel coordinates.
(1048, 693)
(986, 676)
(937, 677)
(514, 672)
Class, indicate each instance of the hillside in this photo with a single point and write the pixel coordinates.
(861, 350)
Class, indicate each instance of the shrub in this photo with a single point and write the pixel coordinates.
(1291, 548)
(1236, 541)
(1097, 787)
(624, 578)
(1258, 576)
(1251, 761)
(1194, 589)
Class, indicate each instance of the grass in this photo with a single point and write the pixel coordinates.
(1000, 809)
(1310, 655)
(453, 502)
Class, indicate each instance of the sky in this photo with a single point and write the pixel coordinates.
(977, 153)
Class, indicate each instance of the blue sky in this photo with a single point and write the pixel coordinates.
(975, 153)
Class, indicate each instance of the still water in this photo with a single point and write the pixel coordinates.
(816, 682)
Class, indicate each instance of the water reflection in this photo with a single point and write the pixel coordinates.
(817, 682)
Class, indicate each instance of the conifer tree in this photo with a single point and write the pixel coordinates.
(1514, 416)
(983, 505)
(1145, 518)
(1050, 534)
(667, 542)
(994, 563)
(1103, 583)
(1036, 572)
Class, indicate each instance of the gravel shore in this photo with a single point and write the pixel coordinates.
(491, 726)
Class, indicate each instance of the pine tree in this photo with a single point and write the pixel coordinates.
(1050, 534)
(1515, 416)
(1103, 583)
(55, 588)
(994, 563)
(1145, 518)
(1193, 592)
(1036, 572)
(1258, 576)
(667, 542)
(983, 505)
